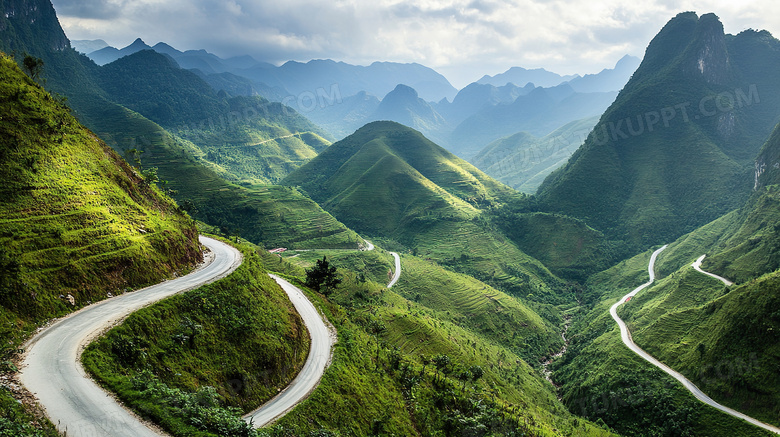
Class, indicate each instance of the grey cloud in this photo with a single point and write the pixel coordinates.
(486, 36)
(484, 6)
(100, 9)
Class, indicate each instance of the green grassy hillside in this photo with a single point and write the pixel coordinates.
(724, 340)
(389, 181)
(77, 222)
(455, 298)
(568, 247)
(648, 179)
(423, 175)
(383, 379)
(264, 214)
(389, 341)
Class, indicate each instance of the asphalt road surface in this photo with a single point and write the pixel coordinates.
(697, 265)
(308, 378)
(51, 367)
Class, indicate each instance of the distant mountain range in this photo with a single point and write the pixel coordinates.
(521, 76)
(605, 80)
(481, 112)
(295, 79)
(539, 112)
(86, 46)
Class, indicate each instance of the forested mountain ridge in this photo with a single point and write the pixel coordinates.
(675, 149)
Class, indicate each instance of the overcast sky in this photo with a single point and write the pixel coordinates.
(462, 39)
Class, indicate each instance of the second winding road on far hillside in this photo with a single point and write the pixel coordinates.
(697, 265)
(626, 336)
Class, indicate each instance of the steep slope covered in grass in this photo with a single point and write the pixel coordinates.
(77, 222)
(404, 174)
(271, 215)
(724, 339)
(675, 149)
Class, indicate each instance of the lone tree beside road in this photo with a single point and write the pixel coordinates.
(322, 277)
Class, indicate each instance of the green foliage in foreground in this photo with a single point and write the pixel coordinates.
(194, 361)
(16, 421)
(398, 370)
(383, 379)
(76, 223)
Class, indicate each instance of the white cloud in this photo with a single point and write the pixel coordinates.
(462, 38)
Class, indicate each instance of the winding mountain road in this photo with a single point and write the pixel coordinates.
(322, 340)
(697, 265)
(626, 336)
(51, 367)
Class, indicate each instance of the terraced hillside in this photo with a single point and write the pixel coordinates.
(456, 298)
(244, 138)
(417, 348)
(272, 215)
(722, 339)
(424, 179)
